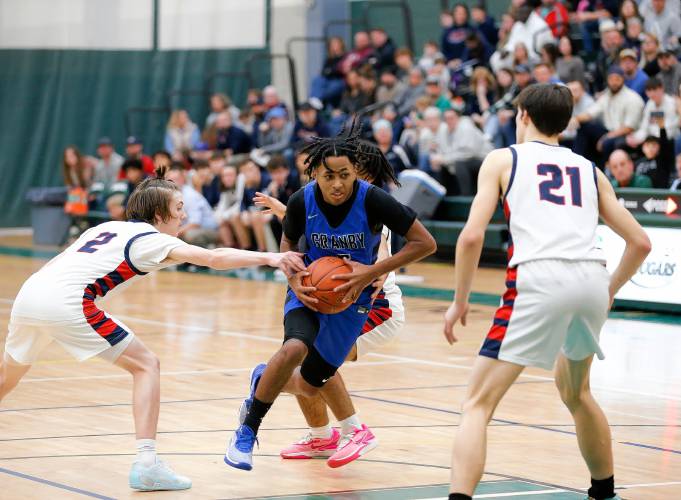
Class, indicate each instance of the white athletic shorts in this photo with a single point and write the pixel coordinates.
(384, 322)
(549, 306)
(27, 337)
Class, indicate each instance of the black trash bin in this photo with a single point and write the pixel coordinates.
(50, 223)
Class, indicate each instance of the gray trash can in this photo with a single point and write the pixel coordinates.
(50, 223)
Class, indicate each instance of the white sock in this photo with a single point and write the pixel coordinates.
(323, 432)
(146, 451)
(350, 424)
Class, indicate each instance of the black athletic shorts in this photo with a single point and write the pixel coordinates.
(302, 324)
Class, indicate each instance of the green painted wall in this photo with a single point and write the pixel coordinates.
(52, 98)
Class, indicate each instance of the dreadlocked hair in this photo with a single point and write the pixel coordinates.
(365, 156)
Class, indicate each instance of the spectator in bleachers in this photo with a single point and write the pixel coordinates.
(589, 15)
(544, 72)
(134, 175)
(427, 137)
(658, 104)
(384, 49)
(484, 23)
(250, 218)
(77, 171)
(274, 134)
(461, 148)
(395, 154)
(441, 70)
(182, 134)
(628, 11)
(569, 67)
(501, 126)
(134, 149)
(670, 71)
(367, 86)
(390, 89)
(219, 103)
(622, 169)
(605, 125)
(228, 137)
(415, 89)
(162, 158)
(308, 124)
(360, 53)
(431, 50)
(476, 51)
(612, 42)
(200, 227)
(634, 77)
(555, 14)
(328, 86)
(505, 27)
(229, 205)
(455, 30)
(482, 93)
(271, 99)
(650, 46)
(352, 98)
(282, 186)
(549, 53)
(663, 22)
(246, 121)
(633, 36)
(676, 183)
(212, 188)
(521, 56)
(657, 160)
(438, 96)
(581, 102)
(404, 60)
(108, 165)
(530, 30)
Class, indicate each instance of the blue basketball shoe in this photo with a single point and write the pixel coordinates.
(239, 452)
(256, 373)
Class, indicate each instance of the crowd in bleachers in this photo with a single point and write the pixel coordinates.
(440, 111)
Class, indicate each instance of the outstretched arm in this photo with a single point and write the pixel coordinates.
(232, 258)
(620, 220)
(472, 237)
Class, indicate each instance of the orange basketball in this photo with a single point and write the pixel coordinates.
(321, 271)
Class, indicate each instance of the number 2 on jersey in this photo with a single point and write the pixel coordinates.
(101, 239)
(556, 182)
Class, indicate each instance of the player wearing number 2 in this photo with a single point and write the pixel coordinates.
(558, 290)
(59, 303)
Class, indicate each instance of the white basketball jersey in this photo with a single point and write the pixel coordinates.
(104, 258)
(551, 205)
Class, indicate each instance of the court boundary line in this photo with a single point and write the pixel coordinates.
(54, 484)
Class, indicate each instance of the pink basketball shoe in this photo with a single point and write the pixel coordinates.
(310, 447)
(352, 446)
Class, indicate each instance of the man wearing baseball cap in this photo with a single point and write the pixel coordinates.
(604, 126)
(670, 71)
(134, 149)
(634, 77)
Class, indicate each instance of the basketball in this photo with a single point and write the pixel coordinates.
(321, 272)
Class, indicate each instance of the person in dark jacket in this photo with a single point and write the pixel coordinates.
(454, 36)
(384, 50)
(308, 125)
(227, 136)
(328, 87)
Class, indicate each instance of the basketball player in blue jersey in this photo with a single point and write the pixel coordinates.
(386, 320)
(559, 290)
(342, 216)
(59, 303)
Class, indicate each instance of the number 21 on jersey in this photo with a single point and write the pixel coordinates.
(555, 181)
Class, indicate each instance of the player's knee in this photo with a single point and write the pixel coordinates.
(478, 405)
(293, 352)
(573, 397)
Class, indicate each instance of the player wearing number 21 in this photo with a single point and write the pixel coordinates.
(558, 290)
(59, 303)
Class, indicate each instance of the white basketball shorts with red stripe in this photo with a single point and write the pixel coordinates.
(550, 306)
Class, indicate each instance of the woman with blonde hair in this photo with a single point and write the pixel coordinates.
(76, 169)
(483, 88)
(182, 134)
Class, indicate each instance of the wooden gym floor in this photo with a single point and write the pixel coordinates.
(66, 432)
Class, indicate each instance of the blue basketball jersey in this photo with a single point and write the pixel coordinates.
(353, 238)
